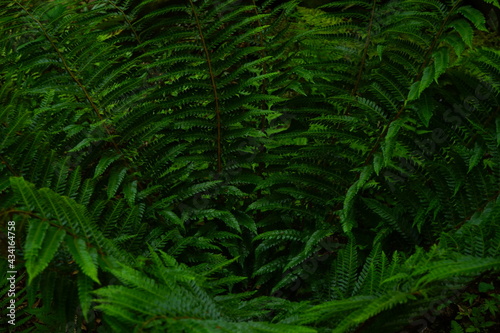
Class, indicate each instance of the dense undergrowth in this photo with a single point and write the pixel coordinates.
(237, 166)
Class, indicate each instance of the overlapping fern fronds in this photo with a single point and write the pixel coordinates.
(170, 166)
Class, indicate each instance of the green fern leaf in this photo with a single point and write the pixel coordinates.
(34, 240)
(115, 180)
(328, 310)
(84, 256)
(425, 106)
(346, 213)
(130, 192)
(413, 94)
(311, 244)
(493, 2)
(104, 163)
(464, 29)
(385, 302)
(462, 267)
(49, 246)
(390, 141)
(29, 195)
(477, 154)
(441, 60)
(84, 285)
(456, 43)
(475, 16)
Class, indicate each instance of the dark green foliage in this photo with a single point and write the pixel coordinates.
(208, 166)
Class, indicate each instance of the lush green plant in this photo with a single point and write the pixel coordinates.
(236, 166)
(478, 313)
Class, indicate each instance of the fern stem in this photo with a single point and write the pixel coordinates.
(128, 23)
(365, 51)
(214, 88)
(63, 59)
(16, 211)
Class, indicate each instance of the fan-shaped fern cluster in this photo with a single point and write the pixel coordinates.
(239, 166)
